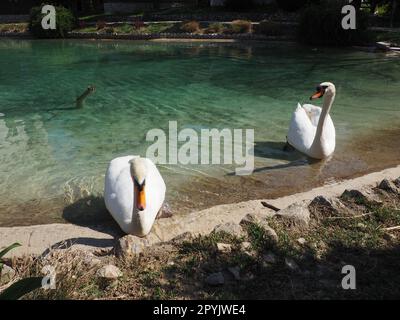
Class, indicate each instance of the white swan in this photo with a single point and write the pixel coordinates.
(134, 193)
(311, 129)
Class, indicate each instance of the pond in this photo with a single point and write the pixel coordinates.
(54, 156)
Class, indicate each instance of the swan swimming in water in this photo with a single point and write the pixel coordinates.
(311, 129)
(134, 193)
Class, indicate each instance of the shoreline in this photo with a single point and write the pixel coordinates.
(38, 239)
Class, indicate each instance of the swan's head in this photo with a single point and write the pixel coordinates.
(139, 174)
(325, 88)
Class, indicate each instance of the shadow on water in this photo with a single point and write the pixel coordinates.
(276, 150)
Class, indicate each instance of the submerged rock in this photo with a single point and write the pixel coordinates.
(215, 279)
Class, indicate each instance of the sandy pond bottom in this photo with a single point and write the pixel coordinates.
(53, 157)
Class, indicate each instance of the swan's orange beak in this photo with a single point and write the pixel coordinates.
(317, 95)
(140, 197)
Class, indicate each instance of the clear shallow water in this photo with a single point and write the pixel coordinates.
(53, 157)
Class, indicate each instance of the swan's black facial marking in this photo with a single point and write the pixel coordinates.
(139, 186)
(320, 92)
(322, 89)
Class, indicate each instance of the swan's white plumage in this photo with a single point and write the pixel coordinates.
(303, 127)
(119, 195)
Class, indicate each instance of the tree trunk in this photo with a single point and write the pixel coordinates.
(393, 16)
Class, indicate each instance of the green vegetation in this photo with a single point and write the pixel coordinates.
(322, 25)
(21, 287)
(240, 26)
(391, 37)
(65, 23)
(291, 5)
(239, 5)
(190, 27)
(215, 27)
(269, 28)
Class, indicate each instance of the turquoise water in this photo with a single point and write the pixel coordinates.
(54, 155)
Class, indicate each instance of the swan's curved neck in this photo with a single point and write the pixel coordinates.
(318, 147)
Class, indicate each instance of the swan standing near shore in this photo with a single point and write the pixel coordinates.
(134, 193)
(311, 129)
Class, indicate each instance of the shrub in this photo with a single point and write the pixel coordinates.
(215, 27)
(190, 27)
(100, 24)
(65, 22)
(322, 25)
(291, 5)
(240, 26)
(238, 5)
(138, 24)
(269, 28)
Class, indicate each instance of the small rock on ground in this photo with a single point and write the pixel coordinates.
(296, 214)
(7, 274)
(224, 247)
(110, 272)
(291, 264)
(269, 258)
(130, 246)
(388, 186)
(233, 229)
(245, 245)
(301, 241)
(235, 271)
(215, 279)
(360, 196)
(252, 218)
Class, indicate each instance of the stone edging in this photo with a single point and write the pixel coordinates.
(93, 35)
(36, 239)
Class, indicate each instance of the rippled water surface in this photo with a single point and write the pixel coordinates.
(53, 156)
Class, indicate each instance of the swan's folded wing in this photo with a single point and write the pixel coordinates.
(313, 113)
(301, 131)
(118, 190)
